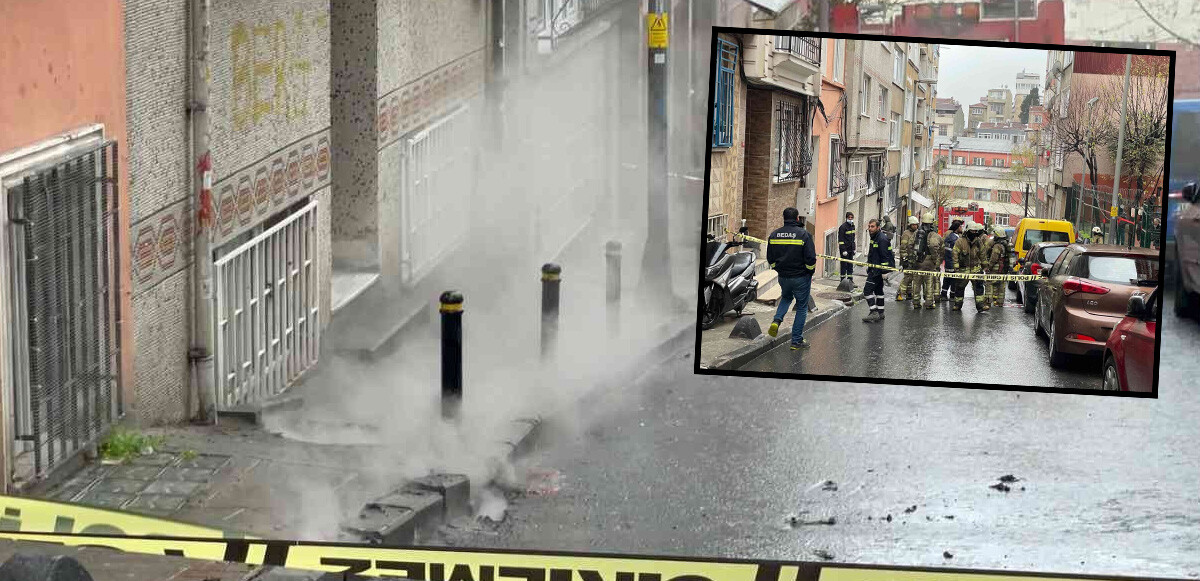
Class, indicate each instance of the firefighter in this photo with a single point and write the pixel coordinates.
(952, 236)
(928, 251)
(846, 243)
(998, 263)
(967, 259)
(906, 260)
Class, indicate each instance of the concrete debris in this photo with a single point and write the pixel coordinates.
(889, 518)
(949, 517)
(1008, 478)
(1001, 487)
(796, 521)
(824, 554)
(910, 509)
(830, 486)
(947, 555)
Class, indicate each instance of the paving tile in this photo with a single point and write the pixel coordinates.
(157, 503)
(157, 459)
(133, 472)
(205, 461)
(119, 486)
(187, 474)
(67, 493)
(172, 488)
(105, 499)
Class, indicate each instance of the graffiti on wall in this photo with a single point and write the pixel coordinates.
(271, 74)
(419, 102)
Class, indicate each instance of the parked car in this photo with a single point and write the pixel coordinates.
(1040, 257)
(1086, 293)
(1129, 353)
(1031, 231)
(1187, 254)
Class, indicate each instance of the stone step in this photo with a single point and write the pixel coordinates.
(769, 296)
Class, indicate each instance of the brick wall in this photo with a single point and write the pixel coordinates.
(758, 162)
(727, 177)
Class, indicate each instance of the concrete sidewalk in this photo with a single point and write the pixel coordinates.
(720, 351)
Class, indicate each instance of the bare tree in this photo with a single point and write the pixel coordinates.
(1072, 131)
(1145, 145)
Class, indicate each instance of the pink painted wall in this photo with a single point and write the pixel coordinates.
(63, 67)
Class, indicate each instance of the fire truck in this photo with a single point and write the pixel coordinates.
(1040, 21)
(946, 215)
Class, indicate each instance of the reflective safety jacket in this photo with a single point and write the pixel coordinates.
(790, 251)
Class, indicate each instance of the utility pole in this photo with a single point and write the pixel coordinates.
(1120, 151)
(656, 269)
(1016, 20)
(823, 16)
(201, 352)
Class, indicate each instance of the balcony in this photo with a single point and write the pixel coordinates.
(559, 18)
(794, 63)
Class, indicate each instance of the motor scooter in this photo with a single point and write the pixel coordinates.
(729, 283)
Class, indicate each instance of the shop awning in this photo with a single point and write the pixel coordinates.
(918, 198)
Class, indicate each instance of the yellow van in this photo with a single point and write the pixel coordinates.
(1030, 231)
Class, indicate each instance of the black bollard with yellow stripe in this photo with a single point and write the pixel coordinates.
(551, 280)
(612, 252)
(452, 361)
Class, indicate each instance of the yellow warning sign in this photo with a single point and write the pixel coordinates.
(1114, 211)
(657, 25)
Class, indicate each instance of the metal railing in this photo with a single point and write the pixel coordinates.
(436, 180)
(801, 46)
(64, 264)
(267, 311)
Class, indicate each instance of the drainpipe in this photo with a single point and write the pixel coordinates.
(201, 353)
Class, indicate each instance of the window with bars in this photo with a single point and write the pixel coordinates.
(983, 194)
(875, 180)
(792, 157)
(1003, 196)
(723, 106)
(716, 225)
(857, 179)
(838, 183)
(893, 191)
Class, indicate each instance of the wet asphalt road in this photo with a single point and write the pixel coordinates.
(997, 347)
(712, 466)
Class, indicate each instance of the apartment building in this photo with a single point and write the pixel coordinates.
(949, 118)
(1025, 83)
(829, 149)
(875, 92)
(976, 114)
(999, 105)
(978, 171)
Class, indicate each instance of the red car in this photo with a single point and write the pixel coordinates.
(1129, 352)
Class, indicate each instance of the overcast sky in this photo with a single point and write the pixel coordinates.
(967, 72)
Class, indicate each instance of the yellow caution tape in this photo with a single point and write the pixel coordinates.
(80, 526)
(960, 275)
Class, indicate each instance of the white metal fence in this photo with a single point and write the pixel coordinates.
(437, 175)
(267, 311)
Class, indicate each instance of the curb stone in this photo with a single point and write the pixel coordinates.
(419, 507)
(765, 343)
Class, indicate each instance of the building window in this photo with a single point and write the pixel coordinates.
(978, 161)
(716, 225)
(1003, 196)
(1002, 219)
(839, 58)
(836, 180)
(983, 194)
(895, 137)
(997, 162)
(908, 101)
(898, 68)
(906, 161)
(884, 105)
(864, 95)
(959, 160)
(723, 110)
(791, 150)
(943, 130)
(858, 179)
